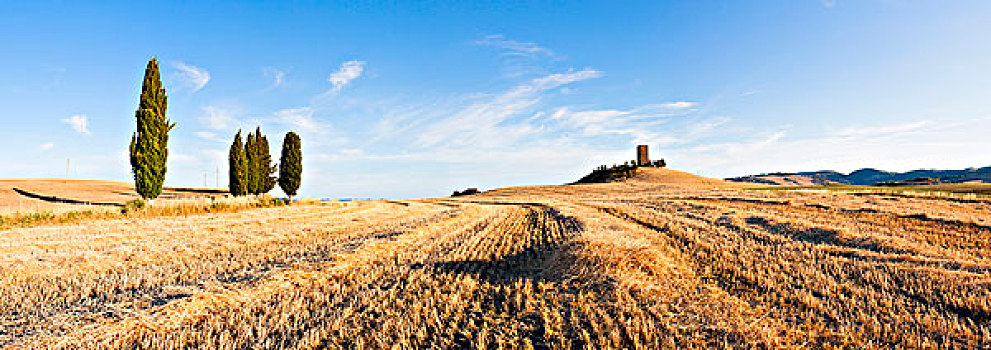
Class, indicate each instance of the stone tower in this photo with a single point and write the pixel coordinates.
(642, 158)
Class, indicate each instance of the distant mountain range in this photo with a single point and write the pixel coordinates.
(870, 176)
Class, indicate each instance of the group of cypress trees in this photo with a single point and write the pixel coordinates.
(251, 166)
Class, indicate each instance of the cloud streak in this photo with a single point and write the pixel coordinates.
(912, 127)
(195, 78)
(79, 123)
(278, 76)
(519, 58)
(481, 123)
(302, 120)
(209, 136)
(217, 118)
(515, 48)
(640, 123)
(347, 72)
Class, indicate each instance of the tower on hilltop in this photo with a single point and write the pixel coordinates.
(643, 159)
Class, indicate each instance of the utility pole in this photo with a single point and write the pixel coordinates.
(67, 170)
(217, 184)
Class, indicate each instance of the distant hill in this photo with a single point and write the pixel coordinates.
(870, 176)
(784, 180)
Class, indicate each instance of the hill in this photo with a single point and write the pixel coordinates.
(783, 180)
(671, 177)
(656, 176)
(51, 194)
(870, 176)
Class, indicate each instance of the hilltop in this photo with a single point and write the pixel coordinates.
(657, 176)
(671, 177)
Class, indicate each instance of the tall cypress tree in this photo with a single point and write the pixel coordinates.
(290, 165)
(266, 180)
(251, 156)
(238, 168)
(149, 144)
(259, 177)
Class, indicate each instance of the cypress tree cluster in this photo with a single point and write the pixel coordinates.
(259, 168)
(149, 144)
(251, 166)
(290, 165)
(238, 168)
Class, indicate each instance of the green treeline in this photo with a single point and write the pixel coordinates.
(251, 168)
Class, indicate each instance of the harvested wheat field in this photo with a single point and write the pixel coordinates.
(665, 260)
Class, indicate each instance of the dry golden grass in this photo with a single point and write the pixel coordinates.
(639, 264)
(72, 214)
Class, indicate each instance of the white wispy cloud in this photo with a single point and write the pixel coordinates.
(520, 58)
(513, 47)
(209, 136)
(639, 123)
(47, 146)
(859, 131)
(558, 79)
(744, 147)
(217, 118)
(707, 125)
(347, 72)
(678, 105)
(278, 76)
(195, 78)
(481, 123)
(222, 119)
(183, 158)
(79, 123)
(301, 120)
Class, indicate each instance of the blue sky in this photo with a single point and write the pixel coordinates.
(415, 100)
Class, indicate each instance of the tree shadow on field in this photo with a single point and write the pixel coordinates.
(530, 262)
(54, 199)
(823, 236)
(546, 260)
